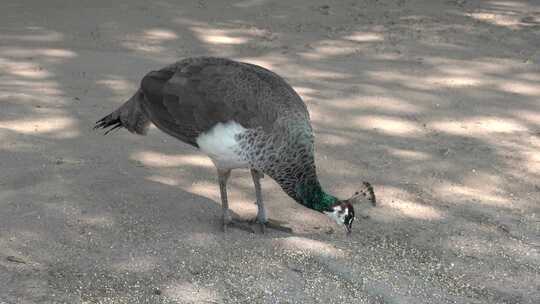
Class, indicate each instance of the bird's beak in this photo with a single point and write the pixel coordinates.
(349, 230)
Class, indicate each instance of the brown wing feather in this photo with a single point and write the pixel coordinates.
(154, 106)
(185, 101)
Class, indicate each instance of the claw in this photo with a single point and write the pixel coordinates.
(238, 225)
(262, 227)
(277, 225)
(247, 225)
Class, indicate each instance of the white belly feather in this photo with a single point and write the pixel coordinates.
(220, 145)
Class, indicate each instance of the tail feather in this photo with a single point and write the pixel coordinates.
(108, 121)
(129, 116)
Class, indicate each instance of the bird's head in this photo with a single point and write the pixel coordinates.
(342, 212)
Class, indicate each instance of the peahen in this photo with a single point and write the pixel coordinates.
(242, 116)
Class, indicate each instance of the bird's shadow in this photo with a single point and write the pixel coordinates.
(181, 210)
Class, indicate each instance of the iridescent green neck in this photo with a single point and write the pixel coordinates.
(313, 196)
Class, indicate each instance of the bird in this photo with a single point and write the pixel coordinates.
(240, 115)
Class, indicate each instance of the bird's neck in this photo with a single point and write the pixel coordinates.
(295, 170)
(310, 194)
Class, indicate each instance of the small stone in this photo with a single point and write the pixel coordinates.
(324, 9)
(15, 259)
(504, 228)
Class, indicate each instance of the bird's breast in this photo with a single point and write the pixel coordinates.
(220, 143)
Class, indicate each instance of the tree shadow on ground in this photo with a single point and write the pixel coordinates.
(436, 104)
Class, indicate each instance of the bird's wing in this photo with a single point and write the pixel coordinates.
(186, 101)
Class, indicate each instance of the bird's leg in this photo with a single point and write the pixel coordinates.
(223, 176)
(261, 212)
(262, 218)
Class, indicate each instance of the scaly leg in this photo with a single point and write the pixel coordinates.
(223, 176)
(262, 219)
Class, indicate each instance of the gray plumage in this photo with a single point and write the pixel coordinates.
(190, 97)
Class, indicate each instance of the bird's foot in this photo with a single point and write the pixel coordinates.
(269, 224)
(278, 225)
(238, 224)
(248, 225)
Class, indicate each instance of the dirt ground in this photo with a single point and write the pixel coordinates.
(437, 103)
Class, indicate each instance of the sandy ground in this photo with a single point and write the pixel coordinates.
(437, 103)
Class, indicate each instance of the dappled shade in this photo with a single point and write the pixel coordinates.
(434, 101)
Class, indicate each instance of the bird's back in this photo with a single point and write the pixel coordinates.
(191, 96)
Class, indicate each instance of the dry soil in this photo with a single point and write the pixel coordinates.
(437, 103)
